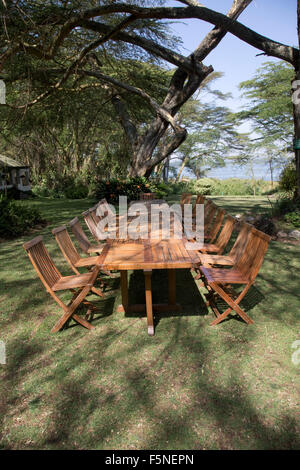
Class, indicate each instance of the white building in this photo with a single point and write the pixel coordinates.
(14, 174)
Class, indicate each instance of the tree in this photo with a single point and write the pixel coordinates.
(270, 108)
(186, 79)
(27, 24)
(270, 114)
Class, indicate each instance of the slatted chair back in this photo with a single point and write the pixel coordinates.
(79, 234)
(67, 247)
(240, 242)
(225, 234)
(209, 215)
(93, 212)
(91, 224)
(216, 225)
(102, 209)
(185, 199)
(42, 262)
(199, 200)
(253, 254)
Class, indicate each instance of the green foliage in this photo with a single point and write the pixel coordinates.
(293, 218)
(288, 179)
(58, 186)
(77, 191)
(16, 218)
(112, 189)
(226, 187)
(202, 186)
(288, 208)
(270, 108)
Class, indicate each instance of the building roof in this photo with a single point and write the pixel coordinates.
(9, 162)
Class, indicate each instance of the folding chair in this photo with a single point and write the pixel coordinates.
(82, 239)
(218, 281)
(222, 240)
(80, 284)
(209, 212)
(215, 225)
(185, 199)
(91, 224)
(236, 251)
(199, 200)
(70, 252)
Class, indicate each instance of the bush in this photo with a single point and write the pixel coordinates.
(288, 179)
(16, 218)
(132, 188)
(76, 191)
(293, 218)
(226, 187)
(266, 225)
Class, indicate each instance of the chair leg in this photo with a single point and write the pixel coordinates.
(70, 309)
(233, 304)
(97, 291)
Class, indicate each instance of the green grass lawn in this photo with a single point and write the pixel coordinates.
(191, 386)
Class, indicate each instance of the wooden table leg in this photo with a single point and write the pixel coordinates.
(172, 286)
(149, 307)
(124, 291)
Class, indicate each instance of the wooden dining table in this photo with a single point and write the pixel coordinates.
(148, 254)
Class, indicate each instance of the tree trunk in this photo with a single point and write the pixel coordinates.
(253, 180)
(271, 172)
(184, 162)
(296, 110)
(181, 88)
(296, 113)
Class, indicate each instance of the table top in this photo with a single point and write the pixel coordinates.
(147, 254)
(159, 249)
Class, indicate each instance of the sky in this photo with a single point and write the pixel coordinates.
(276, 19)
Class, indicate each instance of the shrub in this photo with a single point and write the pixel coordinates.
(16, 217)
(112, 189)
(288, 179)
(202, 186)
(76, 191)
(293, 218)
(265, 224)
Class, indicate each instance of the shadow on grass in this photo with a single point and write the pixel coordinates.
(188, 296)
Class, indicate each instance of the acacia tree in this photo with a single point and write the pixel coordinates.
(186, 79)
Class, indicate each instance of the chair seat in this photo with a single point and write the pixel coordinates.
(223, 276)
(210, 248)
(72, 282)
(88, 261)
(216, 259)
(95, 249)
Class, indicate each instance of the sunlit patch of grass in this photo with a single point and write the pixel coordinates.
(191, 386)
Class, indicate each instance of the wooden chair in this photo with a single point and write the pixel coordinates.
(219, 280)
(185, 199)
(199, 200)
(70, 253)
(91, 224)
(210, 210)
(236, 251)
(222, 240)
(80, 284)
(215, 226)
(82, 239)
